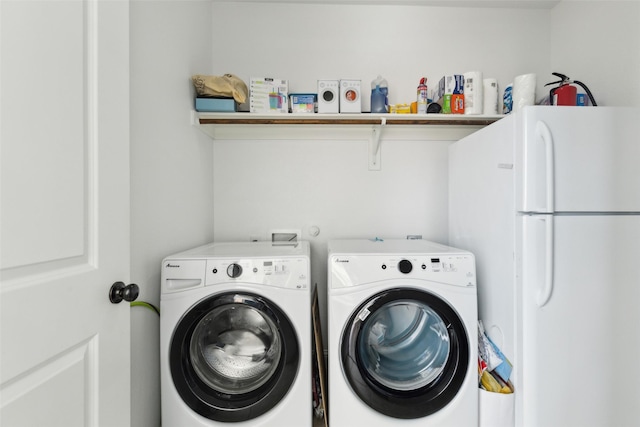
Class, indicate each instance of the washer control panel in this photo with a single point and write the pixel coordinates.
(291, 273)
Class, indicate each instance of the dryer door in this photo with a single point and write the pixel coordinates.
(233, 356)
(405, 353)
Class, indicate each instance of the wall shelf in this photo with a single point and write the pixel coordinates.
(347, 126)
(344, 119)
(365, 126)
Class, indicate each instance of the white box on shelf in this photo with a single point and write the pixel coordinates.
(328, 96)
(350, 96)
(268, 95)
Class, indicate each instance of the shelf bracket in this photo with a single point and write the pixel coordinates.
(374, 146)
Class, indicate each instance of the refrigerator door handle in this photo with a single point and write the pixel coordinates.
(544, 295)
(543, 132)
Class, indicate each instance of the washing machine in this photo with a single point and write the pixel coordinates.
(402, 334)
(235, 336)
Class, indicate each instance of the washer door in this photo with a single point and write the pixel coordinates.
(405, 353)
(233, 356)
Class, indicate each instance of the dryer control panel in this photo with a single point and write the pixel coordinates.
(353, 270)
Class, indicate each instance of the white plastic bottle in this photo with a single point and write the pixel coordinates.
(422, 96)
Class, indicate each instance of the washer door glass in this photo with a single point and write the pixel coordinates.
(404, 345)
(405, 352)
(234, 356)
(235, 349)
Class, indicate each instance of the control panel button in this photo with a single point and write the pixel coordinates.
(405, 266)
(234, 270)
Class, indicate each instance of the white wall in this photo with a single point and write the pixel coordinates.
(598, 43)
(307, 42)
(171, 169)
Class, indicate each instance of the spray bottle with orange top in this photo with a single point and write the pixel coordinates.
(422, 96)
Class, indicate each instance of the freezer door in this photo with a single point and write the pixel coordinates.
(577, 159)
(578, 349)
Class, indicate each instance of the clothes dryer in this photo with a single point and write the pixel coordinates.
(402, 334)
(236, 336)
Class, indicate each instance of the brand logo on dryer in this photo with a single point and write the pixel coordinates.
(169, 265)
(341, 260)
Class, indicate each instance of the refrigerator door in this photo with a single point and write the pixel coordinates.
(577, 354)
(577, 159)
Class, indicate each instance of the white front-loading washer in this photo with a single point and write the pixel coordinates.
(235, 336)
(402, 334)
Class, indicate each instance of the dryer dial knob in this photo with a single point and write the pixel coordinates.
(405, 266)
(234, 270)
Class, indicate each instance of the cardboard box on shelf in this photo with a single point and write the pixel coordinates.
(457, 104)
(268, 95)
(450, 85)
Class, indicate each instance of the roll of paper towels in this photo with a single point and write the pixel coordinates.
(524, 91)
(490, 89)
(473, 91)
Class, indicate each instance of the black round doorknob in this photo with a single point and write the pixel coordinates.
(119, 291)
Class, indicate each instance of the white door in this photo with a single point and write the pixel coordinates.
(64, 212)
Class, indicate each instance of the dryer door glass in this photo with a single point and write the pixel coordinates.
(405, 352)
(235, 349)
(404, 345)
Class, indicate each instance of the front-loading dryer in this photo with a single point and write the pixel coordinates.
(402, 334)
(235, 336)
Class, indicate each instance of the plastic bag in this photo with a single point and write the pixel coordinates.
(486, 351)
(228, 86)
(494, 369)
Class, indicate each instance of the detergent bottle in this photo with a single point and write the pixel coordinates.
(379, 96)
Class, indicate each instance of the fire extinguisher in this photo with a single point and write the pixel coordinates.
(566, 93)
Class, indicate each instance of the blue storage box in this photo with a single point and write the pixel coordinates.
(303, 102)
(216, 105)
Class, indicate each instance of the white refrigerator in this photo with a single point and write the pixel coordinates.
(548, 200)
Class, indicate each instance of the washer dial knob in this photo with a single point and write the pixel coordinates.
(405, 266)
(234, 270)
